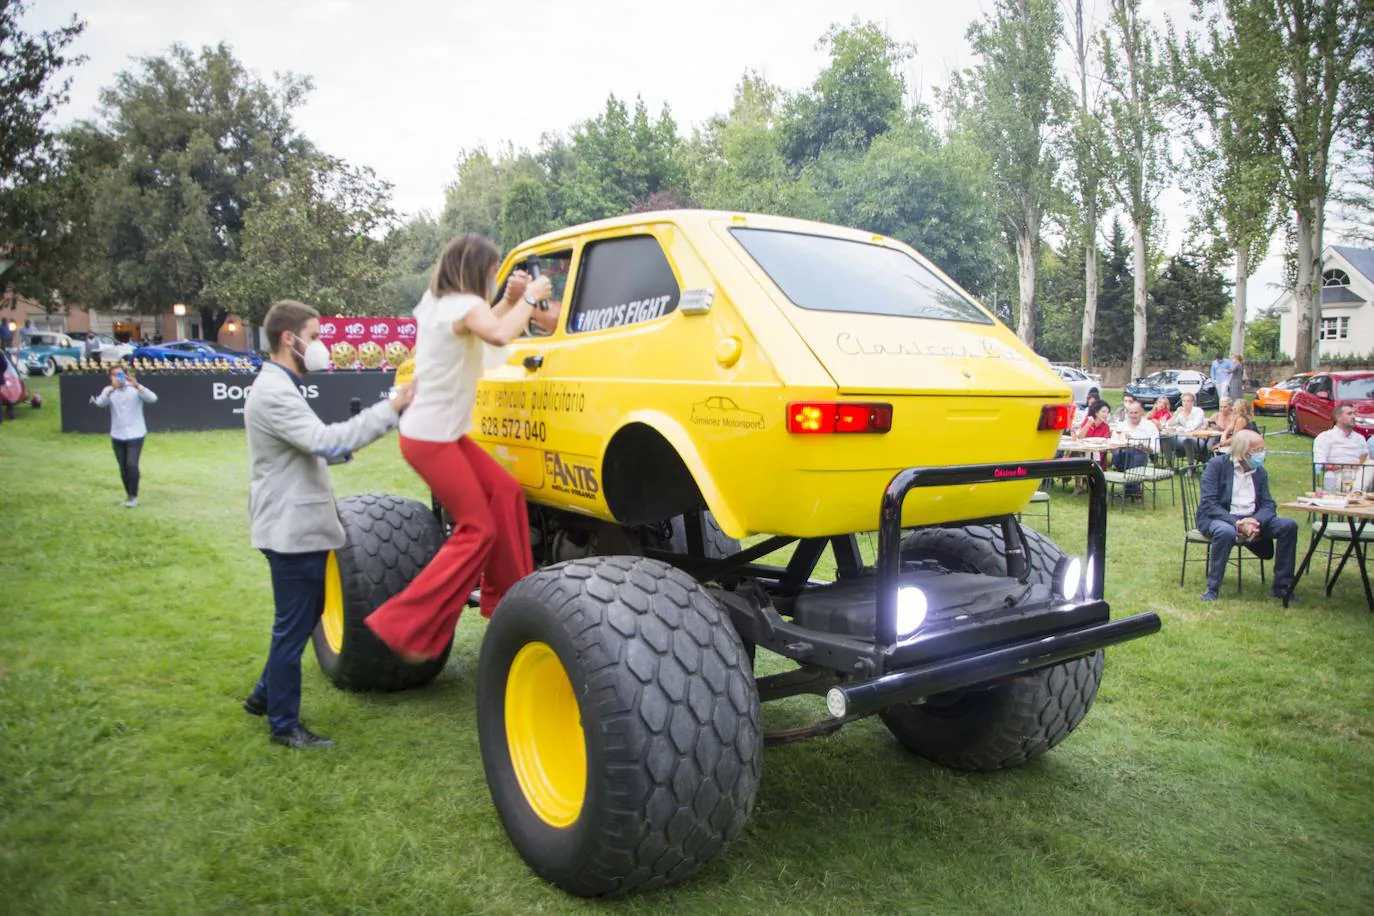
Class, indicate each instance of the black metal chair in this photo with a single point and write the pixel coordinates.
(1189, 484)
(1139, 472)
(1347, 477)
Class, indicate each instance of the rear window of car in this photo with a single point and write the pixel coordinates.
(826, 274)
(1355, 388)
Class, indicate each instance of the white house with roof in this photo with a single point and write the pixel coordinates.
(1347, 310)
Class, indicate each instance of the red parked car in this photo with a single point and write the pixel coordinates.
(1311, 406)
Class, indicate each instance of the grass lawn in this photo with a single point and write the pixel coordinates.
(1227, 767)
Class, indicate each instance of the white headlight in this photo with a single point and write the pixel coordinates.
(911, 610)
(1072, 578)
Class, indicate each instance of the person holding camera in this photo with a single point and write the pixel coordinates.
(125, 397)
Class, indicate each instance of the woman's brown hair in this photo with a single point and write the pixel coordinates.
(465, 266)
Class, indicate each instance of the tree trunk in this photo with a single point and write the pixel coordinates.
(1027, 247)
(1085, 355)
(1238, 319)
(1306, 346)
(1138, 260)
(1318, 244)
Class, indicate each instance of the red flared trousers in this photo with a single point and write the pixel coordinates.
(490, 543)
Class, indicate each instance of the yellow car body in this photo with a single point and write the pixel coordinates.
(639, 386)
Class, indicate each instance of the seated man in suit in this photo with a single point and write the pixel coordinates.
(1235, 507)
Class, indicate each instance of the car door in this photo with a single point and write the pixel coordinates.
(520, 413)
(1312, 408)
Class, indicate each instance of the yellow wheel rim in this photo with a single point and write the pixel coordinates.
(333, 618)
(544, 732)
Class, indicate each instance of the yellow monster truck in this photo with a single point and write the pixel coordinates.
(716, 376)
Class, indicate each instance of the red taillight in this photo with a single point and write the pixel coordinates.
(829, 417)
(1055, 416)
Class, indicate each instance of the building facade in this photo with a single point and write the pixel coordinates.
(1346, 327)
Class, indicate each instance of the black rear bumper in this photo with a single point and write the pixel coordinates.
(912, 684)
(1007, 627)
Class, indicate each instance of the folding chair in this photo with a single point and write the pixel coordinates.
(1164, 465)
(1137, 474)
(1348, 477)
(1189, 485)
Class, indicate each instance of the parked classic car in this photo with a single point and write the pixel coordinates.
(1173, 384)
(1311, 408)
(48, 352)
(111, 350)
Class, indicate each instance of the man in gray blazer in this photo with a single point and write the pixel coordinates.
(291, 502)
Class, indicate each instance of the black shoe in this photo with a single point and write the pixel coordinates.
(1209, 595)
(255, 704)
(301, 738)
(1292, 599)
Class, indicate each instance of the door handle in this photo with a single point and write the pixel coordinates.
(534, 362)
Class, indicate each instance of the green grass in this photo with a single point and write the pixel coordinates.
(1227, 767)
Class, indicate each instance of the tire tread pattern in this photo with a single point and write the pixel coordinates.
(1015, 722)
(676, 704)
(390, 539)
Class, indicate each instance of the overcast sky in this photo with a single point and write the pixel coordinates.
(404, 85)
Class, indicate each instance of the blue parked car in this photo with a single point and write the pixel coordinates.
(195, 351)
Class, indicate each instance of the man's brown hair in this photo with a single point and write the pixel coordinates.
(286, 315)
(465, 266)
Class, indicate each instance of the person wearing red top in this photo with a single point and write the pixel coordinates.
(1097, 426)
(1161, 414)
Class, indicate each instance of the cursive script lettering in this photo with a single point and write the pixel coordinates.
(853, 345)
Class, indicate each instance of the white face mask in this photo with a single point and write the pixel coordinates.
(316, 356)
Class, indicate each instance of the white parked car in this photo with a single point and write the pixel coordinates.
(111, 350)
(1082, 383)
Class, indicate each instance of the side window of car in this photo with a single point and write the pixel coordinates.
(555, 266)
(622, 282)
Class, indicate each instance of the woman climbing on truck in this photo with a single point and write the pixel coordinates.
(490, 540)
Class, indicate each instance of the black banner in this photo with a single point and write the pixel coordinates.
(212, 400)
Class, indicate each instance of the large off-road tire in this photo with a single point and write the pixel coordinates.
(390, 539)
(1010, 723)
(619, 724)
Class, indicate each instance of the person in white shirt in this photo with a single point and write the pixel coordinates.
(1189, 418)
(1340, 444)
(491, 536)
(1139, 430)
(125, 397)
(1144, 439)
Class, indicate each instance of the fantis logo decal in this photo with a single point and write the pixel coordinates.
(567, 474)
